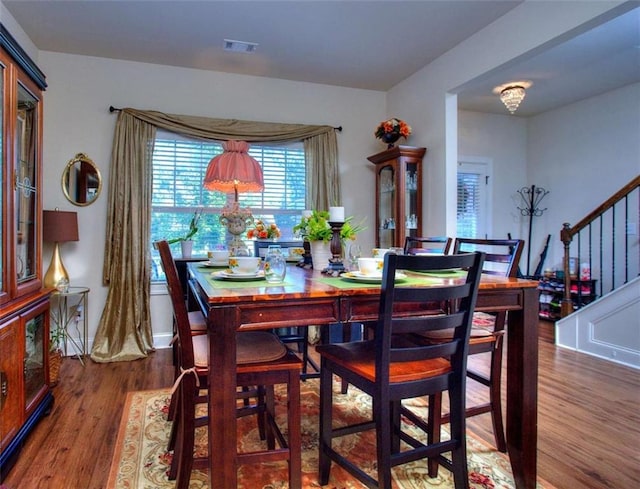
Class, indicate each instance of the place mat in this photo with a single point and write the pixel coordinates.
(344, 283)
(243, 284)
(441, 274)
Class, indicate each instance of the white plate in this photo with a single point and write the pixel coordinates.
(293, 259)
(369, 279)
(224, 263)
(228, 275)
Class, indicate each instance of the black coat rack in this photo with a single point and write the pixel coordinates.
(531, 196)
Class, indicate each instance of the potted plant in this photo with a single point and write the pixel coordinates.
(185, 241)
(57, 335)
(317, 231)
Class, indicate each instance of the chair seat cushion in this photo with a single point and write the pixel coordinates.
(359, 357)
(251, 347)
(197, 322)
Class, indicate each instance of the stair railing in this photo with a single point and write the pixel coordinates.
(610, 235)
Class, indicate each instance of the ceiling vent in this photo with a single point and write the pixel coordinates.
(240, 46)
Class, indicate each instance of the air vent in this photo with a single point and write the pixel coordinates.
(240, 46)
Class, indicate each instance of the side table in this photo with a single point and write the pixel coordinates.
(68, 310)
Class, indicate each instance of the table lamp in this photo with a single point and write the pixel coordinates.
(58, 227)
(234, 170)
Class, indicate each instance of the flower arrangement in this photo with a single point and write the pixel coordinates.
(261, 230)
(392, 127)
(193, 228)
(317, 227)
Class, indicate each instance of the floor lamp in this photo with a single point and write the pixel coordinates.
(58, 227)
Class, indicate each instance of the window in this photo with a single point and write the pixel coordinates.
(473, 195)
(179, 167)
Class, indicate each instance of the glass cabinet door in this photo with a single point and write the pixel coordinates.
(386, 206)
(25, 154)
(411, 200)
(3, 177)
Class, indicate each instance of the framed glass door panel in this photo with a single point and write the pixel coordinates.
(386, 207)
(25, 157)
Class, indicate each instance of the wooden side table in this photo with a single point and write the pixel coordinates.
(68, 310)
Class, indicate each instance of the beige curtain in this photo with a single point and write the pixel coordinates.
(124, 332)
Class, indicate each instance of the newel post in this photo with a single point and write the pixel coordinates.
(566, 237)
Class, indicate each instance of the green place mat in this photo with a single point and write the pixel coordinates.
(456, 274)
(240, 284)
(345, 283)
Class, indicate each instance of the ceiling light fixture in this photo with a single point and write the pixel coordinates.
(240, 46)
(512, 96)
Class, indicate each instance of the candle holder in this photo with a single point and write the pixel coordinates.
(306, 261)
(336, 266)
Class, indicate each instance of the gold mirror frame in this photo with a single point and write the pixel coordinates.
(81, 181)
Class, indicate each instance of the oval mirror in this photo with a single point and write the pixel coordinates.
(81, 180)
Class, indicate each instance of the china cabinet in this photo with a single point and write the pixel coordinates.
(24, 304)
(398, 194)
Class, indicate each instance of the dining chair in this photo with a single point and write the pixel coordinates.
(262, 361)
(487, 333)
(389, 368)
(416, 245)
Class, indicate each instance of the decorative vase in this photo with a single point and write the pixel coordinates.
(187, 247)
(55, 360)
(390, 138)
(320, 254)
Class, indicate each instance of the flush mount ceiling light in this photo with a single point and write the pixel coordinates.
(512, 96)
(240, 46)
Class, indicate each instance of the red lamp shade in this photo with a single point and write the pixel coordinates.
(234, 170)
(59, 226)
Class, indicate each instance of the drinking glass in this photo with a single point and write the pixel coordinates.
(355, 252)
(275, 266)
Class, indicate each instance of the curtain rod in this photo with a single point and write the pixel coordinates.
(113, 109)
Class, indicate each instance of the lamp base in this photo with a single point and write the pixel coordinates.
(56, 272)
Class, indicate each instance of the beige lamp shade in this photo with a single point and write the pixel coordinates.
(234, 170)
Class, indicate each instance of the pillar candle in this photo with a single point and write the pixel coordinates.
(336, 214)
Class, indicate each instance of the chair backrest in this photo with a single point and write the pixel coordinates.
(181, 315)
(460, 296)
(502, 255)
(416, 245)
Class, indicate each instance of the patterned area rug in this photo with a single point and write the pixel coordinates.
(141, 461)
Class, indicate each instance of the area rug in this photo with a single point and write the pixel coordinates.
(141, 461)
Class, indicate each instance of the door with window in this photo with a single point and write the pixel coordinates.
(474, 205)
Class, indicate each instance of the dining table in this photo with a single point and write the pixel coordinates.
(308, 297)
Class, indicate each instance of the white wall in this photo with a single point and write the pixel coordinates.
(77, 119)
(424, 99)
(583, 153)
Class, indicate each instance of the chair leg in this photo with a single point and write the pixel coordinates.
(434, 422)
(293, 426)
(382, 415)
(458, 425)
(326, 403)
(183, 453)
(495, 397)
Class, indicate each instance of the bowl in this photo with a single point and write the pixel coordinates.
(218, 256)
(380, 252)
(370, 266)
(244, 264)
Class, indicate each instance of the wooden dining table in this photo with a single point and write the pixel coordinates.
(308, 297)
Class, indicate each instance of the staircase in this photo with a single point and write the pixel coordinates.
(606, 242)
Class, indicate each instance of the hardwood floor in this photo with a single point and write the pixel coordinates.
(588, 421)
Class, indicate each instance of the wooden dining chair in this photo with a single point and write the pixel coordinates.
(263, 361)
(418, 245)
(487, 333)
(389, 368)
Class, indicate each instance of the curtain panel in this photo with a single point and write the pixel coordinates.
(124, 332)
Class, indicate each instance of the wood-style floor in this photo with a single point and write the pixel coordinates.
(588, 422)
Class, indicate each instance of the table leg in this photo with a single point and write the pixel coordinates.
(222, 398)
(522, 390)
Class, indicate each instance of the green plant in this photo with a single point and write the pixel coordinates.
(57, 335)
(317, 227)
(193, 228)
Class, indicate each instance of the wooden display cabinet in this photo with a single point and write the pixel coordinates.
(24, 304)
(398, 194)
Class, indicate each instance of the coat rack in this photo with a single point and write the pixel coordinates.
(531, 196)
